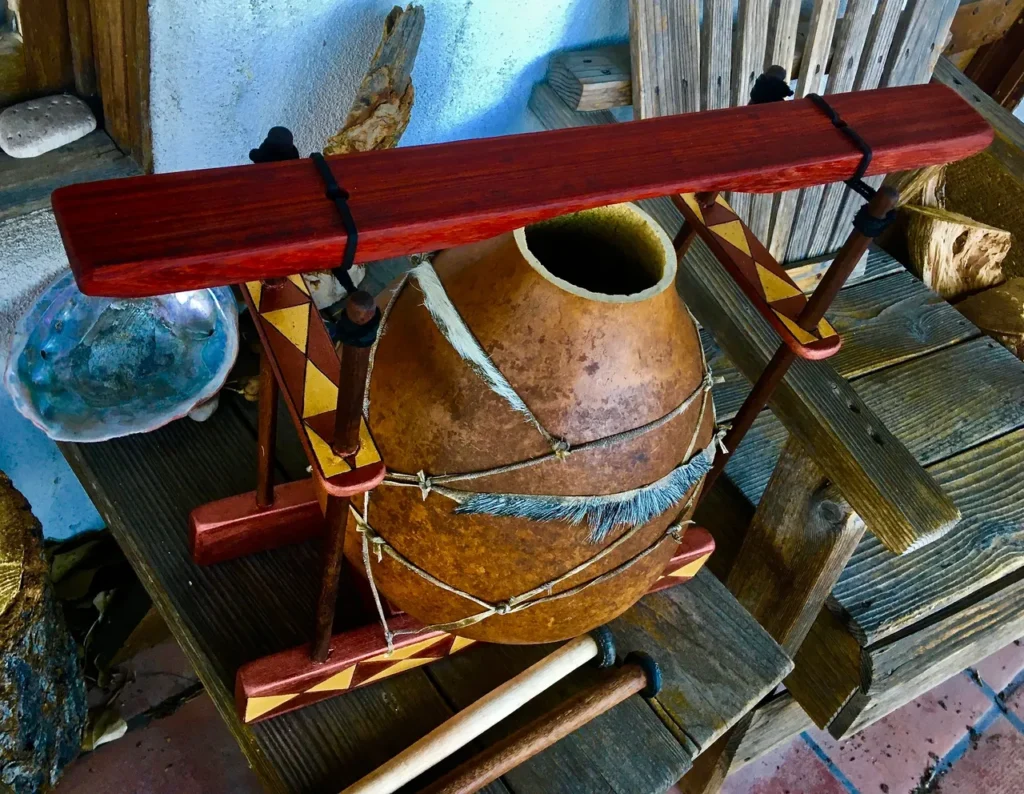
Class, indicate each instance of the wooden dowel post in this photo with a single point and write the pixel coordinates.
(473, 720)
(836, 275)
(360, 310)
(543, 732)
(266, 433)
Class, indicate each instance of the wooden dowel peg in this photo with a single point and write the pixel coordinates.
(634, 677)
(480, 716)
(360, 311)
(331, 556)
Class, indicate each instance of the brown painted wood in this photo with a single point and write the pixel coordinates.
(331, 555)
(360, 310)
(268, 220)
(266, 433)
(238, 526)
(543, 732)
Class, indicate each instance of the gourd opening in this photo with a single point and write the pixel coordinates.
(615, 253)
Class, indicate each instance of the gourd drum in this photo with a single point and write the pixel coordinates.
(543, 406)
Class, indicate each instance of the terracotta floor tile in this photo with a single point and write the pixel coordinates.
(793, 769)
(158, 673)
(1002, 667)
(994, 764)
(892, 755)
(188, 752)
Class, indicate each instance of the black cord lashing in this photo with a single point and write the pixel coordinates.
(339, 196)
(864, 222)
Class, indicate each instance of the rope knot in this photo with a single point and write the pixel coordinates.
(424, 483)
(718, 440)
(561, 448)
(502, 608)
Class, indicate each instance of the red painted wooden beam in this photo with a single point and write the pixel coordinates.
(169, 232)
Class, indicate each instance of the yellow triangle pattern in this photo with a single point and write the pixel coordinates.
(367, 453)
(691, 202)
(257, 707)
(689, 570)
(330, 464)
(825, 330)
(293, 322)
(336, 683)
(319, 394)
(774, 288)
(732, 232)
(460, 643)
(299, 282)
(720, 199)
(399, 667)
(406, 652)
(255, 291)
(802, 336)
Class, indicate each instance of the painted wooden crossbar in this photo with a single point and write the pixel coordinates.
(759, 275)
(170, 232)
(286, 681)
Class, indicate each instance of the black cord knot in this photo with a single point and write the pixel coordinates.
(342, 329)
(870, 226)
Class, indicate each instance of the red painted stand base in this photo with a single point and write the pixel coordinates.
(290, 680)
(237, 526)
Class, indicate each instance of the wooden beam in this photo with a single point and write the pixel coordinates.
(901, 504)
(267, 220)
(665, 57)
(13, 80)
(83, 60)
(43, 25)
(998, 68)
(592, 79)
(981, 22)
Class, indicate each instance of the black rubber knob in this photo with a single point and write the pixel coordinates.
(651, 670)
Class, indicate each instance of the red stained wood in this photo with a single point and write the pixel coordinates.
(169, 232)
(237, 526)
(292, 672)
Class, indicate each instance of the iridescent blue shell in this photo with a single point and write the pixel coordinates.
(91, 369)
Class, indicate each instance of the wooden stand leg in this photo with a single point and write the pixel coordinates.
(798, 543)
(331, 555)
(266, 433)
(837, 274)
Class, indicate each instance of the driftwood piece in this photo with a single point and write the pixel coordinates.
(592, 79)
(40, 682)
(380, 112)
(999, 312)
(925, 187)
(954, 254)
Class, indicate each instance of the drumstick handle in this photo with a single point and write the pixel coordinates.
(543, 732)
(476, 718)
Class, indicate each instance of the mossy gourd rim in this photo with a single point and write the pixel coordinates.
(614, 254)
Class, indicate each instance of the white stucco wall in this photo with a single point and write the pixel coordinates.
(225, 71)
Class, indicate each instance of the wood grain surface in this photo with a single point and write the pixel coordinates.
(271, 219)
(665, 57)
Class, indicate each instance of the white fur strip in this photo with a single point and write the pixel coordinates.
(451, 325)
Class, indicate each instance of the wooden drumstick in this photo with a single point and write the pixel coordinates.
(478, 717)
(639, 674)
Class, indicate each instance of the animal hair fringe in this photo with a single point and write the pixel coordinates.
(604, 512)
(451, 325)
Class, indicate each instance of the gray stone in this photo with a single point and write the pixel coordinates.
(37, 126)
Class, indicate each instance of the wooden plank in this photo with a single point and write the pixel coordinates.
(775, 723)
(849, 47)
(665, 57)
(916, 44)
(552, 112)
(28, 183)
(981, 22)
(716, 55)
(267, 220)
(883, 594)
(227, 614)
(827, 670)
(13, 79)
(1008, 145)
(748, 63)
(43, 25)
(913, 401)
(876, 474)
(705, 642)
(592, 79)
(121, 52)
(646, 757)
(998, 67)
(817, 47)
(82, 59)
